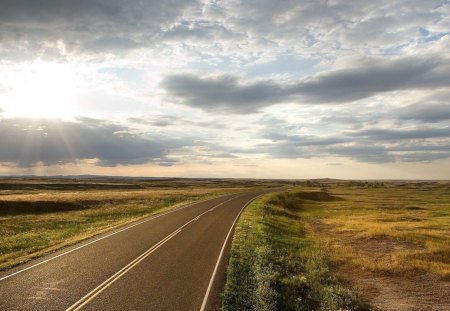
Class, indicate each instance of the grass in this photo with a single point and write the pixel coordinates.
(303, 248)
(276, 264)
(36, 221)
(389, 229)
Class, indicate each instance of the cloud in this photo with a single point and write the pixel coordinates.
(158, 121)
(230, 94)
(392, 134)
(94, 25)
(199, 30)
(377, 76)
(28, 142)
(245, 30)
(223, 93)
(432, 109)
(174, 122)
(367, 153)
(333, 26)
(367, 145)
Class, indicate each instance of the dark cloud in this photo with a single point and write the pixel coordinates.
(426, 112)
(28, 142)
(376, 76)
(158, 121)
(334, 25)
(113, 26)
(367, 153)
(231, 94)
(199, 30)
(110, 44)
(96, 25)
(426, 157)
(177, 122)
(374, 145)
(224, 93)
(392, 134)
(305, 140)
(358, 150)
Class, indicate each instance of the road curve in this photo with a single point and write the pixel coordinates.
(172, 261)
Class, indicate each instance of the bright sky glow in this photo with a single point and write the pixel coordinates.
(42, 90)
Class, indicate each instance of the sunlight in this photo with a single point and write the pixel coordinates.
(43, 90)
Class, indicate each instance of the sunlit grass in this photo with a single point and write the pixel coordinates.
(404, 229)
(39, 222)
(276, 264)
(289, 247)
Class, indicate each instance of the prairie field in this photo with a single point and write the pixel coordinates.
(38, 216)
(331, 245)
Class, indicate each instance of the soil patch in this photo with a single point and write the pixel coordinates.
(420, 291)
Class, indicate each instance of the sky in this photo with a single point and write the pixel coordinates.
(233, 88)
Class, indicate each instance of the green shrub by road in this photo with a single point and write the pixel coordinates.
(276, 264)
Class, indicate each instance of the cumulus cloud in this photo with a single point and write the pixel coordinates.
(231, 94)
(224, 93)
(95, 25)
(368, 145)
(257, 28)
(28, 142)
(338, 27)
(377, 76)
(393, 134)
(199, 30)
(431, 109)
(431, 113)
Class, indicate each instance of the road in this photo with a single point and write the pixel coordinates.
(172, 261)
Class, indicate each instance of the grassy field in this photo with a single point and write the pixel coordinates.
(330, 245)
(390, 228)
(276, 265)
(40, 215)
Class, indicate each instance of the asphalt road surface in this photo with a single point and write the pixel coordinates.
(172, 261)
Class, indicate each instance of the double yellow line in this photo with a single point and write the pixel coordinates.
(96, 291)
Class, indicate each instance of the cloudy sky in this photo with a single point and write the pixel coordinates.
(231, 88)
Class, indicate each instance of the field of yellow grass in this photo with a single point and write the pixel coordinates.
(342, 245)
(36, 221)
(393, 229)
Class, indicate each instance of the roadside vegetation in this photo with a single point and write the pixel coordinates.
(276, 264)
(35, 220)
(329, 245)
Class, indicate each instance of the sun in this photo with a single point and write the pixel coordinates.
(41, 91)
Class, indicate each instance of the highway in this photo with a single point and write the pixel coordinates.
(171, 261)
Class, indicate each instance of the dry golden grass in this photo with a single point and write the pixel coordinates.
(37, 222)
(392, 229)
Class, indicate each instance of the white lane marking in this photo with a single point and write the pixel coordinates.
(211, 281)
(107, 236)
(96, 291)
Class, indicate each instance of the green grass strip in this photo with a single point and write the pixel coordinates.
(276, 265)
